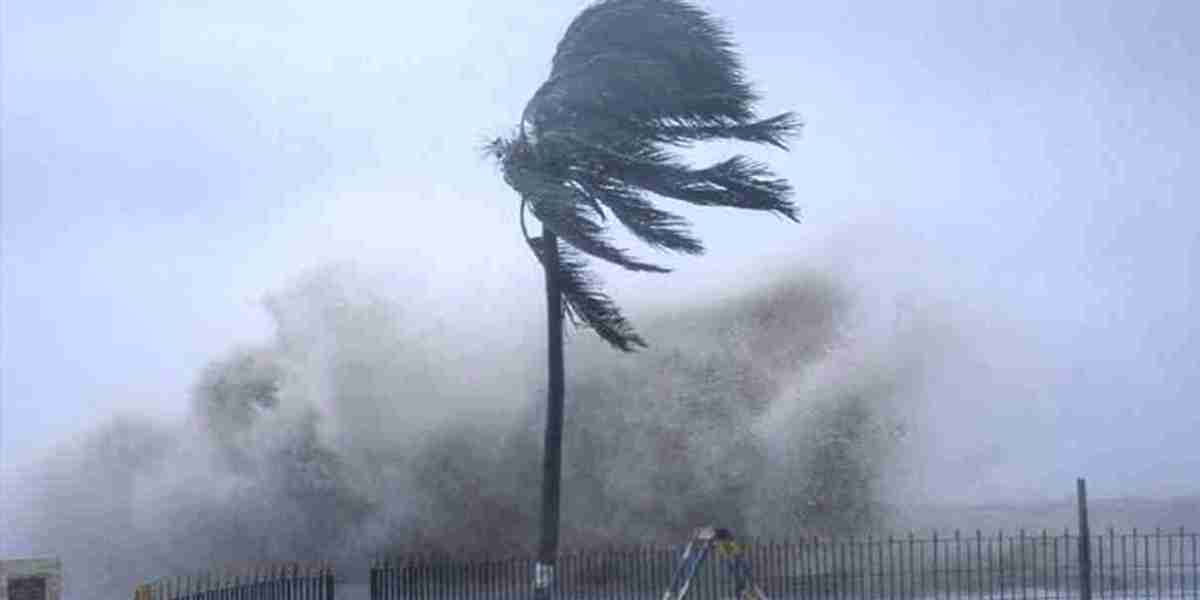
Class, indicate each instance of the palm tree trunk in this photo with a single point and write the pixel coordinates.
(552, 453)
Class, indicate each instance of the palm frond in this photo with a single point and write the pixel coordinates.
(655, 227)
(651, 59)
(736, 182)
(774, 131)
(584, 302)
(565, 210)
(629, 79)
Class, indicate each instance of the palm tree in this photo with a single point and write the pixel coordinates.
(630, 79)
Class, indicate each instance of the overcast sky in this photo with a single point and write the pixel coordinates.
(166, 164)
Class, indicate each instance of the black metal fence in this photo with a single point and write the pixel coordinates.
(275, 582)
(1026, 566)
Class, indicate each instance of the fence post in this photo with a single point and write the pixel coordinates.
(1085, 558)
(328, 581)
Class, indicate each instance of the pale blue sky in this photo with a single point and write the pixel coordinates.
(165, 164)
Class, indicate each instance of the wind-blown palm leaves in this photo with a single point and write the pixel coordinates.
(630, 79)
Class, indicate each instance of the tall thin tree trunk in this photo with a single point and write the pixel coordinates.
(552, 454)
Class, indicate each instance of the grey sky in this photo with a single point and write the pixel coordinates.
(167, 164)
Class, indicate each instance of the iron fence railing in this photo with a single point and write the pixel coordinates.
(1025, 566)
(291, 581)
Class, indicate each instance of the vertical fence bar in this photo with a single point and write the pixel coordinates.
(934, 572)
(1002, 563)
(826, 570)
(429, 578)
(1170, 566)
(956, 569)
(423, 576)
(978, 563)
(654, 577)
(840, 569)
(1124, 562)
(911, 577)
(985, 564)
(770, 578)
(506, 567)
(969, 568)
(823, 568)
(1113, 581)
(394, 574)
(1145, 547)
(496, 577)
(651, 574)
(787, 584)
(864, 564)
(858, 559)
(1195, 565)
(994, 559)
(885, 573)
(919, 565)
(463, 585)
(488, 578)
(636, 577)
(517, 571)
(855, 552)
(458, 582)
(438, 568)
(1037, 562)
(1085, 558)
(457, 576)
(815, 585)
(1057, 583)
(654, 580)
(373, 580)
(1146, 583)
(872, 586)
(1157, 562)
(411, 567)
(891, 567)
(499, 577)
(800, 570)
(1181, 566)
(849, 570)
(1024, 564)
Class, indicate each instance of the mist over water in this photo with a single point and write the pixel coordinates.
(364, 426)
